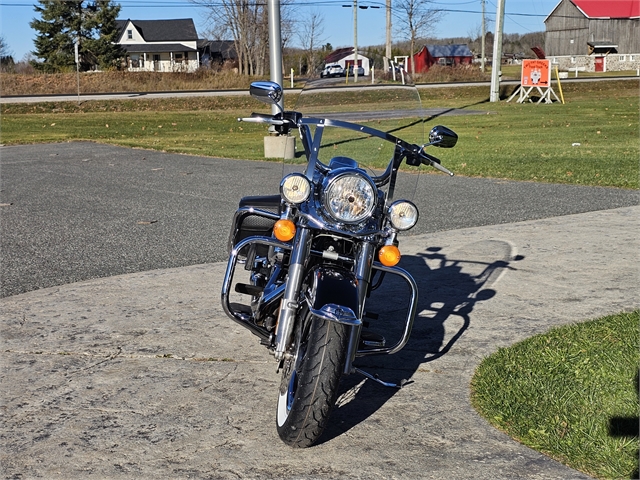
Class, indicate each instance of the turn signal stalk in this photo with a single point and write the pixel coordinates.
(284, 230)
(389, 255)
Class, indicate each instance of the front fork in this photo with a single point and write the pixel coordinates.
(292, 295)
(363, 269)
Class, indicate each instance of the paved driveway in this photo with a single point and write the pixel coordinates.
(142, 376)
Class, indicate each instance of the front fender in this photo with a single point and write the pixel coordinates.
(332, 293)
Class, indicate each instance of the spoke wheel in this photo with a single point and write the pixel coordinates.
(310, 378)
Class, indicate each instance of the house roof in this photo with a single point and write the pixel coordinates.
(457, 50)
(181, 29)
(605, 9)
(225, 48)
(157, 48)
(338, 54)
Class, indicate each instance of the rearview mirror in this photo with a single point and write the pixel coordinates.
(443, 137)
(267, 92)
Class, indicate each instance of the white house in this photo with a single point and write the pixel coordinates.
(345, 57)
(159, 45)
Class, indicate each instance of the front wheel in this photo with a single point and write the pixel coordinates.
(310, 378)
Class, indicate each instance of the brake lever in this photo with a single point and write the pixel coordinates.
(435, 163)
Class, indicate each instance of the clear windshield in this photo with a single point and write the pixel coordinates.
(386, 105)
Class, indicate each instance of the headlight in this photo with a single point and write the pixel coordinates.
(295, 188)
(403, 215)
(349, 197)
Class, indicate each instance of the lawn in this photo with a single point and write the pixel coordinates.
(591, 140)
(571, 393)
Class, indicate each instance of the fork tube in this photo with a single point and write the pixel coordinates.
(363, 267)
(289, 308)
(364, 264)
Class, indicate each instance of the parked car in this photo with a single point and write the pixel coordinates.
(332, 70)
(360, 71)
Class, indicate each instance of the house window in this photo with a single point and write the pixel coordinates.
(178, 57)
(573, 59)
(554, 60)
(130, 34)
(571, 41)
(632, 58)
(623, 58)
(156, 57)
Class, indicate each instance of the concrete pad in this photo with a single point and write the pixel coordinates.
(143, 376)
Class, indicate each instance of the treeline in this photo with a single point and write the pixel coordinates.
(513, 44)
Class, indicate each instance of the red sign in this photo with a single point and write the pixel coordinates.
(536, 73)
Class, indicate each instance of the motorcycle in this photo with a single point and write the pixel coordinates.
(315, 253)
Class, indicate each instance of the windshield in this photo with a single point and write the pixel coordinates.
(382, 104)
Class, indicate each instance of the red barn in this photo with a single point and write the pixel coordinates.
(594, 35)
(442, 55)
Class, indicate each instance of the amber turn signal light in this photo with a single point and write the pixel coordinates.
(284, 230)
(389, 255)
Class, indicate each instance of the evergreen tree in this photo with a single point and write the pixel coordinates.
(63, 22)
(104, 46)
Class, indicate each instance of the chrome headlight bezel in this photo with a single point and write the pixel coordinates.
(349, 189)
(403, 215)
(295, 188)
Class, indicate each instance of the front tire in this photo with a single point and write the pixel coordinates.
(310, 378)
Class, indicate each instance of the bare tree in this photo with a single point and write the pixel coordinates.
(246, 22)
(417, 17)
(242, 20)
(310, 34)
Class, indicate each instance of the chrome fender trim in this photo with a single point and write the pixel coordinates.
(337, 313)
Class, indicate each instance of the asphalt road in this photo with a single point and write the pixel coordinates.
(83, 97)
(77, 211)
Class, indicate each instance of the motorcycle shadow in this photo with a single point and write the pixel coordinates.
(449, 289)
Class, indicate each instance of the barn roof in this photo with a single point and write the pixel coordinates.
(606, 9)
(457, 50)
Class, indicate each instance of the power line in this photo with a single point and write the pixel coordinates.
(326, 3)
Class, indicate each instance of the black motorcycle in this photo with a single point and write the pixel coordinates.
(314, 254)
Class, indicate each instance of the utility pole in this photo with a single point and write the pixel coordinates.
(355, 41)
(497, 54)
(484, 33)
(387, 53)
(77, 58)
(275, 48)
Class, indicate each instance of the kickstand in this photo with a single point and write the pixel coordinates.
(383, 383)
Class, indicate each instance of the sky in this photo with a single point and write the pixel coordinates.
(461, 18)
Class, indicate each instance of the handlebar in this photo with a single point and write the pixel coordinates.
(264, 118)
(417, 155)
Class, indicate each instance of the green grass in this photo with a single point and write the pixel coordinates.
(591, 140)
(571, 393)
(503, 140)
